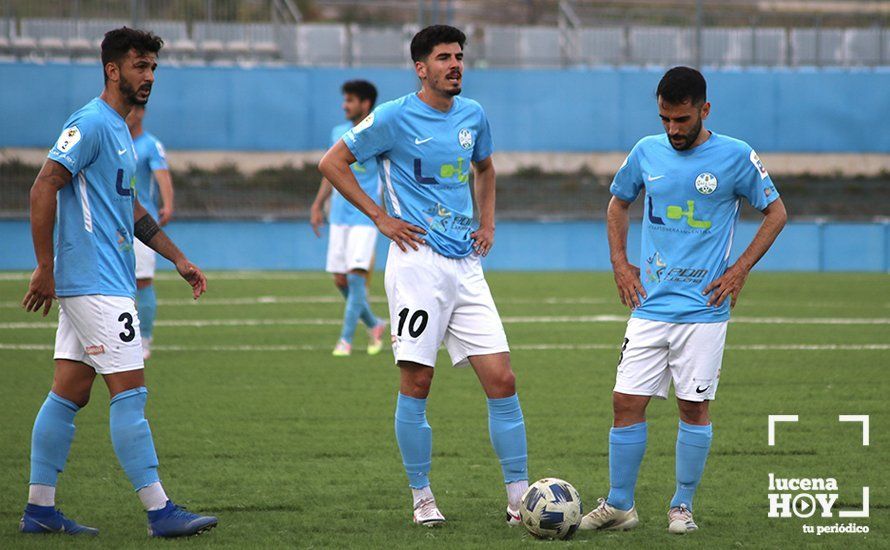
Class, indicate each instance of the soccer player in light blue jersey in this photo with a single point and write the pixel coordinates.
(88, 184)
(154, 190)
(352, 234)
(426, 144)
(694, 182)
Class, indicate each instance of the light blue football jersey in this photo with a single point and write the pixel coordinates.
(150, 156)
(424, 158)
(342, 211)
(691, 209)
(94, 233)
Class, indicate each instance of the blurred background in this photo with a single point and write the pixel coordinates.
(248, 91)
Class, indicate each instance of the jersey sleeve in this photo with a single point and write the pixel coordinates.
(78, 145)
(157, 160)
(754, 182)
(628, 181)
(372, 136)
(483, 146)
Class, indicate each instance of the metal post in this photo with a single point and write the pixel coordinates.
(435, 12)
(134, 13)
(421, 19)
(698, 24)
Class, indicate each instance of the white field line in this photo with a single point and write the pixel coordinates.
(217, 276)
(556, 319)
(520, 347)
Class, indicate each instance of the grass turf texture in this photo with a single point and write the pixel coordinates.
(296, 448)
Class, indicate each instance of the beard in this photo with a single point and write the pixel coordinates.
(131, 94)
(688, 139)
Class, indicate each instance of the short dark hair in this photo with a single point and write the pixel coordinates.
(362, 89)
(682, 84)
(423, 42)
(118, 43)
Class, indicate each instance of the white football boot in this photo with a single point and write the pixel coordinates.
(609, 518)
(680, 520)
(513, 517)
(426, 513)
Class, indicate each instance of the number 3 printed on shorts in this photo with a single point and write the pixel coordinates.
(417, 324)
(127, 320)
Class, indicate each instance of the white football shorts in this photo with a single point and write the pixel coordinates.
(351, 247)
(101, 331)
(146, 258)
(654, 353)
(435, 300)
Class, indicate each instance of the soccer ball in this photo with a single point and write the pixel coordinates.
(551, 509)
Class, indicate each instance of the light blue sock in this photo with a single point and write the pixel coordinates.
(693, 444)
(367, 316)
(356, 301)
(51, 439)
(626, 449)
(147, 305)
(506, 427)
(415, 438)
(131, 437)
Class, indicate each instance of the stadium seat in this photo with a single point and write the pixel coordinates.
(386, 46)
(862, 46)
(602, 45)
(770, 47)
(321, 44)
(502, 46)
(540, 47)
(661, 46)
(730, 46)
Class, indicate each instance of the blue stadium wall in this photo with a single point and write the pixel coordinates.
(520, 246)
(293, 109)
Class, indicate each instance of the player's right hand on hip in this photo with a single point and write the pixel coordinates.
(401, 232)
(41, 291)
(627, 278)
(193, 276)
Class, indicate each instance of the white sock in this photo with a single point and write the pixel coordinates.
(153, 497)
(421, 494)
(42, 495)
(515, 491)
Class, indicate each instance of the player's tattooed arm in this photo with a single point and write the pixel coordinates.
(734, 278)
(42, 288)
(316, 213)
(484, 183)
(334, 166)
(146, 230)
(627, 275)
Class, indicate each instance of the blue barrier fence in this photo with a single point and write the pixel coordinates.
(520, 246)
(294, 108)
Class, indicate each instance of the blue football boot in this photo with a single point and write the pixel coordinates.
(46, 520)
(175, 521)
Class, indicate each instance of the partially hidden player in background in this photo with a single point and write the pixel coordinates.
(352, 234)
(154, 190)
(694, 180)
(426, 144)
(88, 180)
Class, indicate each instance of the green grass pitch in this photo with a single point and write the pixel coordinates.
(255, 421)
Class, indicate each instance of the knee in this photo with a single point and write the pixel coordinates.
(504, 383)
(418, 383)
(628, 409)
(692, 412)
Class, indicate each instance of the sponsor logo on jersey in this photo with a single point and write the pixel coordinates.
(761, 169)
(94, 350)
(677, 213)
(69, 138)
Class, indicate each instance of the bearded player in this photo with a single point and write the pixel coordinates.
(87, 183)
(426, 143)
(694, 180)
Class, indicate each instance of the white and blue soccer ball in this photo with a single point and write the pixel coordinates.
(551, 509)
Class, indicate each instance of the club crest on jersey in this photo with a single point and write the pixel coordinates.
(68, 139)
(465, 138)
(706, 183)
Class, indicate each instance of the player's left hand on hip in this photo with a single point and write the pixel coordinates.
(193, 276)
(729, 284)
(483, 240)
